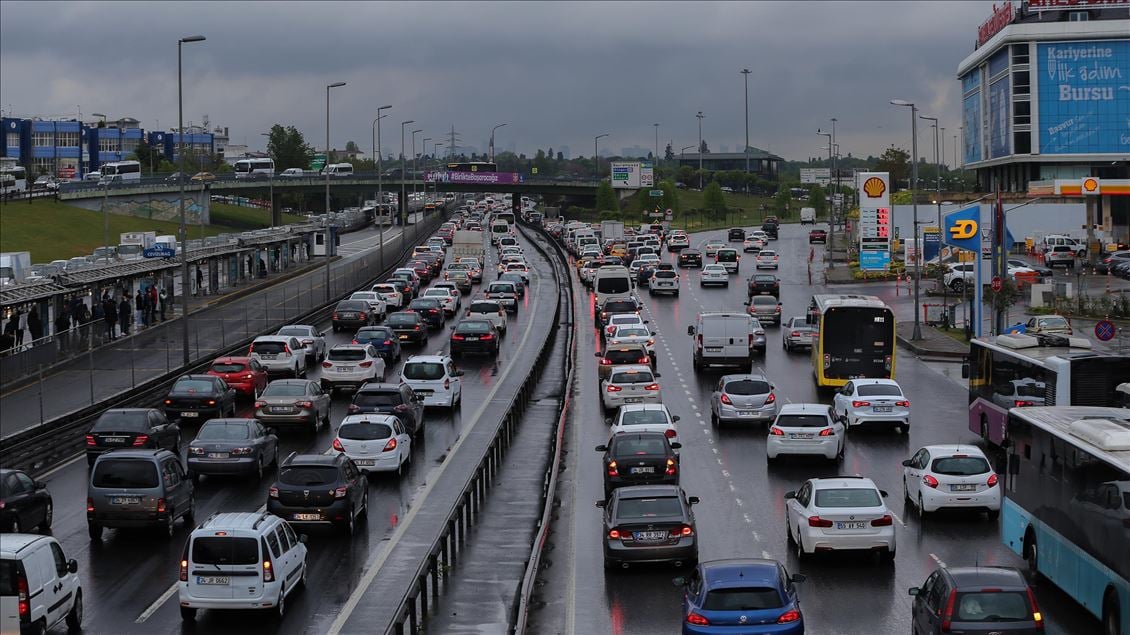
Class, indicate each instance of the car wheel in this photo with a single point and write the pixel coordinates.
(714, 420)
(922, 513)
(187, 614)
(993, 514)
(349, 526)
(194, 476)
(48, 515)
(95, 531)
(259, 468)
(887, 555)
(789, 540)
(74, 617)
(280, 606)
(905, 492)
(958, 285)
(169, 527)
(799, 541)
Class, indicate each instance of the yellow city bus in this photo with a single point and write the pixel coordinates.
(855, 338)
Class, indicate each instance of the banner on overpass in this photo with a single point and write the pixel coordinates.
(489, 178)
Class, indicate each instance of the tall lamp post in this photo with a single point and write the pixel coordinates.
(326, 170)
(380, 185)
(105, 213)
(403, 178)
(917, 334)
(416, 225)
(656, 159)
(184, 279)
(435, 155)
(424, 156)
(832, 214)
(492, 139)
(596, 156)
(700, 116)
(271, 182)
(745, 150)
(938, 164)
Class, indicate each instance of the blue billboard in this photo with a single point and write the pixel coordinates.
(1084, 97)
(999, 118)
(971, 115)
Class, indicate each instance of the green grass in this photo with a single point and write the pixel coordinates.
(245, 218)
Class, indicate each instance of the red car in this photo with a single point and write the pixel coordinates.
(818, 236)
(422, 269)
(244, 374)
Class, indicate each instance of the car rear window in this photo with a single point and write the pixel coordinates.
(628, 446)
(1053, 322)
(401, 318)
(742, 599)
(501, 288)
(137, 421)
(294, 331)
(364, 431)
(764, 300)
(614, 284)
(727, 255)
(624, 356)
(1008, 606)
(473, 327)
(192, 385)
(228, 368)
(374, 399)
(223, 432)
(308, 475)
(125, 473)
(484, 307)
(346, 354)
(628, 331)
(643, 417)
(747, 387)
(802, 421)
(277, 389)
(225, 550)
(665, 274)
(635, 377)
(619, 306)
(268, 348)
(960, 466)
(8, 578)
(424, 303)
(848, 497)
(878, 390)
(424, 370)
(631, 508)
(352, 305)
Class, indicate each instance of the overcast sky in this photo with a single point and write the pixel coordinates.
(557, 73)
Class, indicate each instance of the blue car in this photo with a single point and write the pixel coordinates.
(741, 596)
(383, 338)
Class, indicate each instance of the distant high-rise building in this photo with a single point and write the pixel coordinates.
(566, 153)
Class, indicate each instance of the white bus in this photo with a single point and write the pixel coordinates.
(339, 169)
(13, 180)
(124, 170)
(254, 168)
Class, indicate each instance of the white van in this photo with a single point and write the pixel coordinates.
(808, 216)
(40, 588)
(613, 282)
(723, 339)
(1056, 240)
(434, 378)
(498, 229)
(241, 560)
(340, 169)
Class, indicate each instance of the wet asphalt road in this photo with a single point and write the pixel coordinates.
(742, 509)
(128, 578)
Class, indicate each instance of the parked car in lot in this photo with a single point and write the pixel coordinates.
(25, 504)
(118, 428)
(806, 429)
(842, 513)
(294, 402)
(246, 375)
(199, 397)
(279, 354)
(649, 524)
(639, 458)
(391, 399)
(951, 477)
(873, 402)
(741, 595)
(1107, 264)
(320, 489)
(351, 365)
(743, 398)
(765, 308)
(797, 332)
(980, 599)
(224, 447)
(313, 340)
(1043, 272)
(138, 488)
(375, 443)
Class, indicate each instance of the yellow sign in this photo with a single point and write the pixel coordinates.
(874, 187)
(963, 229)
(1090, 185)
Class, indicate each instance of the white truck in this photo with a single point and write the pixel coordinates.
(133, 243)
(611, 231)
(467, 243)
(14, 267)
(808, 216)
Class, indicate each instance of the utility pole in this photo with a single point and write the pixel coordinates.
(403, 180)
(326, 169)
(184, 279)
(700, 116)
(745, 150)
(379, 211)
(596, 156)
(655, 159)
(917, 334)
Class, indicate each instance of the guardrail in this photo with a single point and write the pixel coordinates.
(59, 439)
(444, 552)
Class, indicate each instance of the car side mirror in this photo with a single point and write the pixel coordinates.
(72, 565)
(679, 581)
(883, 493)
(906, 463)
(608, 420)
(798, 577)
(693, 500)
(675, 417)
(791, 494)
(597, 354)
(302, 538)
(913, 591)
(646, 322)
(676, 445)
(690, 330)
(601, 503)
(602, 448)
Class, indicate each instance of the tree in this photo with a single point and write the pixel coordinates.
(560, 156)
(712, 198)
(816, 197)
(146, 155)
(288, 148)
(351, 146)
(782, 199)
(670, 198)
(896, 161)
(669, 153)
(606, 198)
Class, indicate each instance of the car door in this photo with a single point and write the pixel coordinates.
(920, 609)
(796, 506)
(321, 399)
(913, 472)
(285, 558)
(175, 489)
(414, 407)
(61, 588)
(456, 380)
(839, 402)
(360, 492)
(837, 427)
(403, 439)
(19, 494)
(228, 394)
(159, 430)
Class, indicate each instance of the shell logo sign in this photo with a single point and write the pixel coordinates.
(1090, 186)
(874, 187)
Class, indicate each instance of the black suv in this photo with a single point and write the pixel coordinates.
(200, 397)
(639, 458)
(975, 600)
(736, 235)
(320, 489)
(390, 399)
(131, 428)
(770, 229)
(690, 258)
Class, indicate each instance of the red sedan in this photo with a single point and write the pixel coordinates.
(817, 236)
(244, 374)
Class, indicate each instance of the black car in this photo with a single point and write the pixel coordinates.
(770, 229)
(975, 600)
(764, 284)
(353, 314)
(131, 428)
(690, 258)
(200, 397)
(614, 307)
(320, 489)
(430, 309)
(474, 336)
(516, 278)
(25, 503)
(403, 286)
(232, 446)
(390, 399)
(382, 338)
(408, 326)
(639, 458)
(649, 523)
(736, 235)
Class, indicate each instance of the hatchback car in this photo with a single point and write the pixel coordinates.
(713, 245)
(376, 301)
(279, 354)
(232, 446)
(951, 477)
(728, 258)
(351, 365)
(25, 503)
(118, 428)
(353, 314)
(743, 398)
(639, 458)
(977, 600)
(649, 524)
(677, 242)
(138, 488)
(747, 595)
(199, 397)
(474, 336)
(408, 326)
(484, 309)
(641, 417)
(714, 275)
(382, 338)
(435, 379)
(753, 244)
(664, 281)
(690, 258)
(313, 340)
(764, 284)
(806, 429)
(617, 320)
(393, 298)
(375, 443)
(505, 293)
(519, 282)
(765, 259)
(797, 332)
(320, 489)
(765, 308)
(448, 301)
(630, 385)
(394, 399)
(247, 376)
(618, 306)
(873, 402)
(623, 355)
(294, 402)
(632, 334)
(843, 513)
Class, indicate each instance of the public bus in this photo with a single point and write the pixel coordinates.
(855, 338)
(507, 216)
(473, 166)
(254, 168)
(1010, 371)
(1066, 505)
(13, 180)
(125, 170)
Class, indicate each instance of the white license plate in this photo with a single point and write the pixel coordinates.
(113, 440)
(472, 339)
(283, 409)
(344, 369)
(642, 470)
(403, 337)
(800, 435)
(851, 525)
(190, 414)
(125, 500)
(713, 349)
(971, 487)
(882, 408)
(212, 580)
(650, 535)
(217, 455)
(746, 413)
(307, 516)
(365, 462)
(265, 356)
(633, 400)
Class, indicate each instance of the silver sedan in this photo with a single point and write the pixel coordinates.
(294, 401)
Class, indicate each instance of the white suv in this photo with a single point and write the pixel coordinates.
(283, 354)
(842, 513)
(435, 378)
(41, 587)
(258, 553)
(960, 276)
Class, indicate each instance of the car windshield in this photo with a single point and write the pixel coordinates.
(308, 475)
(643, 417)
(295, 331)
(636, 445)
(475, 328)
(278, 389)
(960, 466)
(878, 390)
(346, 354)
(848, 497)
(135, 421)
(228, 367)
(633, 508)
(364, 431)
(125, 473)
(747, 387)
(402, 318)
(742, 599)
(429, 371)
(191, 386)
(223, 432)
(992, 606)
(632, 377)
(225, 550)
(802, 421)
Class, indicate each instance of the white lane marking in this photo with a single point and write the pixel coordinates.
(938, 560)
(766, 555)
(61, 466)
(895, 516)
(747, 518)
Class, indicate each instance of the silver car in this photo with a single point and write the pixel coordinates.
(765, 308)
(797, 332)
(293, 401)
(311, 338)
(628, 385)
(746, 398)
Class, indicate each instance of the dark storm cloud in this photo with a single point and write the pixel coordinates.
(557, 73)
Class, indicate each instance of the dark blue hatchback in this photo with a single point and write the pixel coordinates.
(383, 338)
(741, 596)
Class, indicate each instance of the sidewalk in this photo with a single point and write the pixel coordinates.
(934, 343)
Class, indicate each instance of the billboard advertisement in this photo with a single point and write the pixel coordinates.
(1084, 97)
(999, 118)
(632, 175)
(489, 178)
(971, 114)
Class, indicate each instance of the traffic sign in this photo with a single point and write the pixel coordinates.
(655, 193)
(1105, 330)
(159, 252)
(996, 284)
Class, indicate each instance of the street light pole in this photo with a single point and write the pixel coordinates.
(271, 182)
(700, 116)
(326, 170)
(656, 159)
(938, 164)
(596, 156)
(492, 139)
(380, 187)
(424, 152)
(184, 280)
(403, 181)
(917, 334)
(416, 225)
(745, 150)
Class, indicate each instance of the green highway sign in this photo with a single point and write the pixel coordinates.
(656, 193)
(319, 162)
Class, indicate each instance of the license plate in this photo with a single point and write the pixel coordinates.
(280, 408)
(851, 525)
(113, 440)
(403, 337)
(217, 455)
(210, 580)
(713, 349)
(307, 516)
(190, 414)
(365, 462)
(125, 500)
(642, 470)
(267, 356)
(344, 369)
(633, 400)
(472, 339)
(971, 487)
(800, 435)
(349, 316)
(650, 535)
(746, 413)
(882, 408)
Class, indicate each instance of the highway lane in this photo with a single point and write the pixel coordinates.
(128, 578)
(742, 509)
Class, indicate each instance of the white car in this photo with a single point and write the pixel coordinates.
(753, 243)
(41, 586)
(617, 320)
(434, 378)
(630, 384)
(351, 365)
(376, 302)
(279, 354)
(375, 442)
(664, 281)
(450, 303)
(519, 268)
(678, 241)
(633, 334)
(873, 401)
(842, 513)
(951, 477)
(392, 296)
(642, 260)
(491, 310)
(649, 417)
(765, 259)
(713, 245)
(714, 274)
(759, 233)
(806, 429)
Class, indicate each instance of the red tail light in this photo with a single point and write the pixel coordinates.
(90, 439)
(268, 567)
(776, 432)
(24, 597)
(304, 404)
(700, 340)
(614, 534)
(286, 349)
(337, 445)
(184, 570)
(860, 404)
(486, 338)
(391, 445)
(335, 315)
(885, 521)
(613, 470)
(789, 616)
(794, 334)
(947, 614)
(1037, 616)
(140, 440)
(992, 482)
(651, 387)
(388, 342)
(353, 408)
(242, 451)
(613, 388)
(697, 620)
(726, 399)
(930, 481)
(273, 492)
(162, 506)
(903, 404)
(816, 521)
(260, 404)
(353, 341)
(685, 530)
(457, 337)
(211, 402)
(1022, 403)
(671, 468)
(670, 434)
(366, 364)
(168, 402)
(777, 309)
(89, 505)
(341, 492)
(771, 398)
(327, 364)
(417, 327)
(447, 384)
(827, 432)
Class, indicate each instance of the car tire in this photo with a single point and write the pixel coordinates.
(187, 614)
(887, 556)
(259, 468)
(921, 509)
(169, 528)
(95, 531)
(74, 616)
(993, 514)
(801, 556)
(789, 540)
(280, 605)
(349, 527)
(14, 527)
(714, 420)
(48, 516)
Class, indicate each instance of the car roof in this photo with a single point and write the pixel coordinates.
(954, 448)
(369, 418)
(248, 521)
(272, 338)
(630, 368)
(648, 491)
(139, 453)
(293, 382)
(298, 326)
(744, 377)
(804, 408)
(740, 572)
(15, 543)
(987, 576)
(312, 459)
(339, 347)
(434, 359)
(872, 382)
(374, 386)
(635, 407)
(842, 482)
(227, 421)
